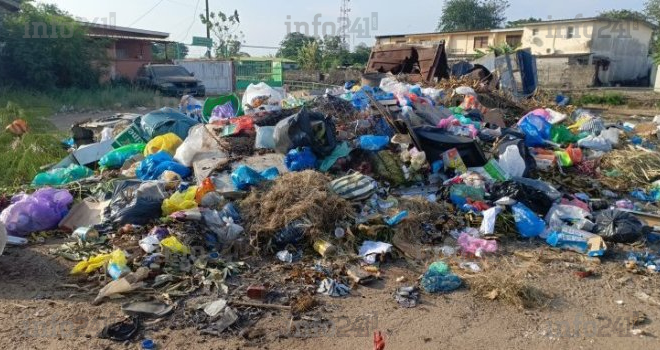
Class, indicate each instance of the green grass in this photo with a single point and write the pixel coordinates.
(23, 157)
(611, 99)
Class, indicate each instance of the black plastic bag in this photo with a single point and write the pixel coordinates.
(306, 129)
(619, 226)
(135, 202)
(435, 141)
(534, 199)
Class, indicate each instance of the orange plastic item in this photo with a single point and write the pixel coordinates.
(575, 153)
(18, 127)
(379, 341)
(206, 187)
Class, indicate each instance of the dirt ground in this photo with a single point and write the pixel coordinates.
(42, 309)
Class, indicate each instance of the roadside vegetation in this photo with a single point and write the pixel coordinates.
(608, 98)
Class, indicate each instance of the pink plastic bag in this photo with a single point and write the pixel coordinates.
(42, 210)
(476, 246)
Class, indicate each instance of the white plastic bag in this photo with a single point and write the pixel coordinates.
(555, 117)
(265, 137)
(106, 134)
(254, 91)
(598, 143)
(198, 141)
(511, 162)
(488, 223)
(611, 135)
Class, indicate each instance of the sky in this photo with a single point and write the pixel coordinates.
(266, 22)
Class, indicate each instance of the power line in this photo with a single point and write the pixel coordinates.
(192, 22)
(146, 13)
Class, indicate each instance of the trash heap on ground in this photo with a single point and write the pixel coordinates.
(181, 210)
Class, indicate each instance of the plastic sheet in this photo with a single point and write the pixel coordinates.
(39, 211)
(265, 138)
(62, 176)
(116, 158)
(154, 165)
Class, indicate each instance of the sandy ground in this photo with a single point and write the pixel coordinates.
(39, 309)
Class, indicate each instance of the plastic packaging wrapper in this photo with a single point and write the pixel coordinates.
(373, 142)
(537, 200)
(117, 264)
(577, 240)
(511, 162)
(306, 129)
(245, 177)
(116, 158)
(265, 138)
(168, 143)
(39, 211)
(476, 246)
(166, 120)
(527, 222)
(439, 279)
(619, 226)
(62, 176)
(261, 97)
(180, 201)
(299, 159)
(198, 141)
(154, 165)
(135, 202)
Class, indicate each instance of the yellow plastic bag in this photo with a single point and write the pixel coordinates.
(92, 264)
(175, 246)
(168, 143)
(180, 201)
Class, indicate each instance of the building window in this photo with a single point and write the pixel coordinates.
(535, 32)
(514, 40)
(570, 32)
(480, 42)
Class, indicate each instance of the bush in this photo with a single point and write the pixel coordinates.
(612, 99)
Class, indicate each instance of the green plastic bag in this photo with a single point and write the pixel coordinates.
(115, 159)
(62, 176)
(561, 135)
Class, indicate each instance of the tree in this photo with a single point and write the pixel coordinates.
(360, 55)
(174, 51)
(225, 29)
(520, 22)
(652, 13)
(622, 15)
(310, 56)
(292, 43)
(472, 15)
(45, 48)
(334, 52)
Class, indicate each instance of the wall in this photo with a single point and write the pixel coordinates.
(126, 57)
(551, 38)
(626, 45)
(557, 72)
(217, 76)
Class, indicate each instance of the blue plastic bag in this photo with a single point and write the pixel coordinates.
(373, 142)
(299, 159)
(62, 176)
(439, 279)
(245, 177)
(156, 164)
(527, 222)
(536, 130)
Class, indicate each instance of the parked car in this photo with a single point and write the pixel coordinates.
(170, 80)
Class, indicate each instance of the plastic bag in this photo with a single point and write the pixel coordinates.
(619, 226)
(511, 162)
(175, 246)
(535, 199)
(476, 246)
(539, 185)
(135, 202)
(168, 143)
(561, 135)
(439, 279)
(459, 194)
(373, 142)
(115, 159)
(265, 138)
(598, 143)
(299, 159)
(536, 130)
(225, 111)
(180, 201)
(261, 97)
(528, 224)
(611, 135)
(490, 218)
(199, 140)
(154, 165)
(306, 129)
(62, 176)
(223, 225)
(245, 177)
(166, 120)
(39, 211)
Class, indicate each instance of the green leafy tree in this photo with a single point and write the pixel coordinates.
(460, 15)
(360, 55)
(292, 43)
(335, 52)
(174, 51)
(498, 50)
(310, 56)
(44, 48)
(622, 15)
(521, 22)
(226, 31)
(652, 13)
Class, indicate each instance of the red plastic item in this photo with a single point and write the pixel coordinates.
(257, 292)
(206, 187)
(379, 341)
(575, 153)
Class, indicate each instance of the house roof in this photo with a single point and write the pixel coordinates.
(113, 31)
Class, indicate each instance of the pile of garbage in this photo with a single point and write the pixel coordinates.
(188, 202)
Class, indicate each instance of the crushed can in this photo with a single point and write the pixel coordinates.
(85, 234)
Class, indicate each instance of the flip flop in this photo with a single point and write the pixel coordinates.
(121, 331)
(147, 309)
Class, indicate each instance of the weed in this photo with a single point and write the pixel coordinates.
(611, 99)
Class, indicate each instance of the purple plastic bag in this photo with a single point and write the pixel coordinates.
(225, 111)
(40, 211)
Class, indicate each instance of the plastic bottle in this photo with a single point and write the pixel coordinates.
(117, 264)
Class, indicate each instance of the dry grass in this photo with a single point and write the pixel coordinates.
(295, 196)
(508, 283)
(637, 169)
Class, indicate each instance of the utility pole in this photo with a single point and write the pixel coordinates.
(208, 29)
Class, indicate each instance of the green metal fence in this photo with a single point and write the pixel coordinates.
(256, 71)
